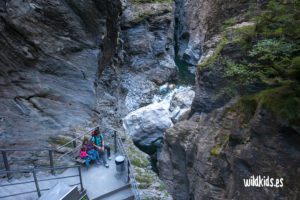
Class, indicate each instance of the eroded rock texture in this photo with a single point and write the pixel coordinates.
(208, 156)
(49, 52)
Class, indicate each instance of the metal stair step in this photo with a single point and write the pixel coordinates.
(122, 193)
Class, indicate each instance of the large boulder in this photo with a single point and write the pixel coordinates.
(147, 124)
(181, 104)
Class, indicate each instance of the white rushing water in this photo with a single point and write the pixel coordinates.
(167, 91)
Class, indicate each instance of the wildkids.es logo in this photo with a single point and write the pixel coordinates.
(262, 181)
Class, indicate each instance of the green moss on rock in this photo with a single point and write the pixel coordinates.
(215, 56)
(283, 102)
(222, 141)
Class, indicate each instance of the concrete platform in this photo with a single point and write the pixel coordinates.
(97, 180)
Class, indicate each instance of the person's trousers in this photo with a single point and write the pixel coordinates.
(94, 154)
(87, 161)
(107, 148)
(102, 156)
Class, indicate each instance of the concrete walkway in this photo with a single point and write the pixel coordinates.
(97, 180)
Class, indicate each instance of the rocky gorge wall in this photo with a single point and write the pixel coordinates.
(197, 21)
(49, 61)
(245, 122)
(68, 65)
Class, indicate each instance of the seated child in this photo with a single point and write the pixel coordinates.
(90, 150)
(85, 156)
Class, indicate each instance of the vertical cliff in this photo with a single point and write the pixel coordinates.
(246, 107)
(49, 56)
(197, 21)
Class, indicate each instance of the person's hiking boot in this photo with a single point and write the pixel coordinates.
(106, 165)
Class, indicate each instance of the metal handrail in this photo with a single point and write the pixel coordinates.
(130, 171)
(76, 138)
(38, 149)
(50, 152)
(36, 180)
(118, 146)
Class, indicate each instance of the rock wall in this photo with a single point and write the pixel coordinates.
(143, 62)
(208, 156)
(197, 21)
(242, 124)
(49, 56)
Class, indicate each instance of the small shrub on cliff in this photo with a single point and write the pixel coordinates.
(245, 35)
(272, 49)
(241, 71)
(294, 69)
(280, 19)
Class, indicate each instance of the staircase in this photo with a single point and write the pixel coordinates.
(63, 192)
(122, 193)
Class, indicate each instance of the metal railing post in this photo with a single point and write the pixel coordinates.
(115, 141)
(36, 183)
(128, 171)
(74, 143)
(80, 177)
(6, 164)
(51, 161)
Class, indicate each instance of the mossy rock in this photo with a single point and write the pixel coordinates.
(144, 180)
(215, 150)
(222, 141)
(138, 162)
(215, 56)
(60, 140)
(283, 102)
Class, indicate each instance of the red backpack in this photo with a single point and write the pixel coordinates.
(94, 131)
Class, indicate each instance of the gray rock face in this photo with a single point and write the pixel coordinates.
(148, 43)
(197, 20)
(49, 56)
(208, 156)
(181, 104)
(213, 88)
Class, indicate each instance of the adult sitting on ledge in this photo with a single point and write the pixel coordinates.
(98, 143)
